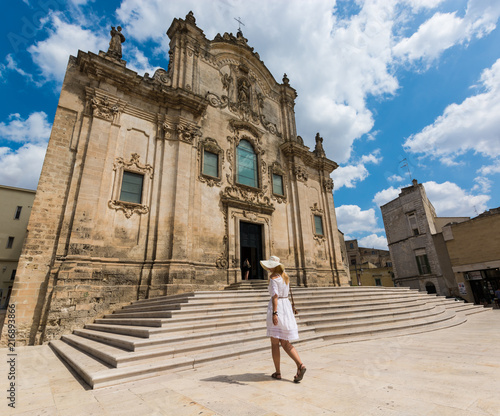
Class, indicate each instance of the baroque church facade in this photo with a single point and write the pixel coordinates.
(162, 185)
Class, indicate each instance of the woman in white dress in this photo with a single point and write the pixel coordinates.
(281, 324)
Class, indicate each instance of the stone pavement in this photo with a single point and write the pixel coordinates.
(454, 371)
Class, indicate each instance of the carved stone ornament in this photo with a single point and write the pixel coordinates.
(188, 132)
(215, 101)
(246, 198)
(168, 129)
(328, 185)
(128, 208)
(300, 173)
(320, 239)
(222, 261)
(163, 77)
(102, 108)
(316, 209)
(133, 165)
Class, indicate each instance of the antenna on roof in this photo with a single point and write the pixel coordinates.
(404, 163)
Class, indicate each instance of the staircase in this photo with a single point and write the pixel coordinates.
(154, 336)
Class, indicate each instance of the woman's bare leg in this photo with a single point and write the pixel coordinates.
(275, 350)
(292, 352)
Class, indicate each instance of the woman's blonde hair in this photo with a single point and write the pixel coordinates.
(281, 270)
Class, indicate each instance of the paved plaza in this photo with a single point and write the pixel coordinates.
(454, 371)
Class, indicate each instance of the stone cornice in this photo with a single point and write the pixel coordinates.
(148, 89)
(308, 157)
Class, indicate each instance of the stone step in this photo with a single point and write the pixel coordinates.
(249, 303)
(151, 336)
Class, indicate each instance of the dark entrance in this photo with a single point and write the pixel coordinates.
(431, 289)
(251, 248)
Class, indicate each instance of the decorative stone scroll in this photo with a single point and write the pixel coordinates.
(246, 199)
(102, 108)
(188, 132)
(328, 185)
(163, 77)
(215, 101)
(185, 131)
(128, 207)
(300, 173)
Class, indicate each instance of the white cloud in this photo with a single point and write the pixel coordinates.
(385, 196)
(473, 125)
(374, 241)
(51, 55)
(350, 175)
(395, 178)
(482, 184)
(450, 200)
(334, 64)
(444, 30)
(34, 129)
(351, 219)
(21, 168)
(138, 62)
(490, 169)
(13, 66)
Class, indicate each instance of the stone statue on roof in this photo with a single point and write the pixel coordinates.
(115, 44)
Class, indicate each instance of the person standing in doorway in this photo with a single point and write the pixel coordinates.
(246, 269)
(281, 323)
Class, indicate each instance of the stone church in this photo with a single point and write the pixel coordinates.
(163, 184)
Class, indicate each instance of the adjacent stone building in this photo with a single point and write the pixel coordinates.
(156, 185)
(474, 250)
(418, 251)
(15, 209)
(369, 266)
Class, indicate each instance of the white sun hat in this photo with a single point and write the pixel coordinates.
(271, 263)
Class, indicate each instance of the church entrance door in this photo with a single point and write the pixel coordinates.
(251, 248)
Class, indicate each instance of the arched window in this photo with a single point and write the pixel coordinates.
(246, 165)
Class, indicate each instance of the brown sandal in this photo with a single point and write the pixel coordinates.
(300, 373)
(277, 376)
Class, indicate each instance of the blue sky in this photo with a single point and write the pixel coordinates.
(398, 89)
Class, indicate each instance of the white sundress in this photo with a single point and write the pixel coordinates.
(287, 325)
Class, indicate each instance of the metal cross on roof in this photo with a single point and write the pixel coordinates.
(240, 23)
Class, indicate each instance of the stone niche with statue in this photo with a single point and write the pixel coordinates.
(164, 184)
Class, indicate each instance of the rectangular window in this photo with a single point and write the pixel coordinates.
(131, 187)
(378, 282)
(13, 274)
(412, 220)
(10, 242)
(318, 225)
(210, 164)
(353, 262)
(278, 184)
(423, 264)
(18, 213)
